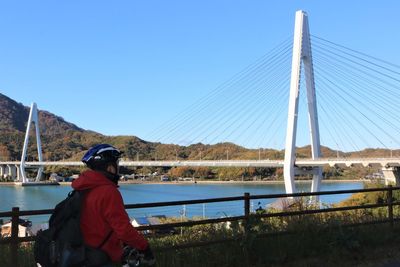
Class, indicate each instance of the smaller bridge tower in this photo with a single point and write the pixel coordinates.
(33, 118)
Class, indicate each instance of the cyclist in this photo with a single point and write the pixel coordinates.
(104, 223)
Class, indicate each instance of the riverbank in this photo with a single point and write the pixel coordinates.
(213, 182)
(226, 182)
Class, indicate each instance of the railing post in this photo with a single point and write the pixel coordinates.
(247, 205)
(246, 228)
(390, 204)
(246, 211)
(14, 236)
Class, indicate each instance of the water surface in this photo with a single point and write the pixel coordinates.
(46, 197)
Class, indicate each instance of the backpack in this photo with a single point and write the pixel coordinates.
(62, 243)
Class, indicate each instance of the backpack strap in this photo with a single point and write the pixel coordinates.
(105, 239)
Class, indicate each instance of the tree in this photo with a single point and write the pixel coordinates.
(4, 153)
(181, 172)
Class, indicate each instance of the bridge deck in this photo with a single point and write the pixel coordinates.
(348, 162)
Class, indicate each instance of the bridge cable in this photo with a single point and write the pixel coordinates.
(199, 105)
(231, 105)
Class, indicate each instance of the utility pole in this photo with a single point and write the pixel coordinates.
(391, 149)
(337, 150)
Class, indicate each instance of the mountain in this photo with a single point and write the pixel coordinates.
(60, 139)
(65, 140)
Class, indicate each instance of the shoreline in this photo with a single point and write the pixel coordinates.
(213, 182)
(237, 182)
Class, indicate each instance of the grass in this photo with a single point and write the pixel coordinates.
(369, 245)
(311, 244)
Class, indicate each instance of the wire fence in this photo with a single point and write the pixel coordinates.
(248, 220)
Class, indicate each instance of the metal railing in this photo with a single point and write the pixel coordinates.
(14, 240)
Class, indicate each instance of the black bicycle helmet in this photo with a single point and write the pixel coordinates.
(99, 156)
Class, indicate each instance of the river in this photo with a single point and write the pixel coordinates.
(46, 197)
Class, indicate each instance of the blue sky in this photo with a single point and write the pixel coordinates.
(126, 67)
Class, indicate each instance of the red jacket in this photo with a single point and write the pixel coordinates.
(103, 211)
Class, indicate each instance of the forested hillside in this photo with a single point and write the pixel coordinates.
(64, 140)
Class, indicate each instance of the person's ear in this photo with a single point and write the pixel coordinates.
(111, 169)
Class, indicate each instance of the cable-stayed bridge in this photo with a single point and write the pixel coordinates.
(389, 166)
(301, 163)
(306, 88)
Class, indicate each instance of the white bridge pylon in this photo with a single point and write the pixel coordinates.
(33, 118)
(301, 54)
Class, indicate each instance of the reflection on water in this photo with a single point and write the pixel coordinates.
(31, 197)
(46, 197)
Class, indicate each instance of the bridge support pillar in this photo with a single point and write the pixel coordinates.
(392, 175)
(12, 171)
(2, 170)
(7, 172)
(18, 176)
